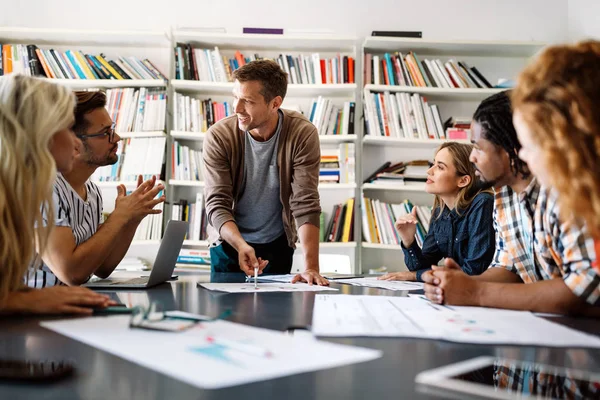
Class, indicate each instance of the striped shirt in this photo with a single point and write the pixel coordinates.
(82, 216)
(534, 243)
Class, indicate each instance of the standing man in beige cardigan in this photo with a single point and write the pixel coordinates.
(262, 175)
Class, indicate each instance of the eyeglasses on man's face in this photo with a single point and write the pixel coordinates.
(110, 132)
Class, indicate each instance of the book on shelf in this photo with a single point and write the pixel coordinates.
(137, 156)
(409, 70)
(32, 60)
(402, 115)
(331, 119)
(137, 110)
(151, 226)
(186, 163)
(401, 173)
(193, 257)
(194, 213)
(211, 65)
(340, 227)
(378, 219)
(458, 128)
(405, 34)
(196, 115)
(337, 163)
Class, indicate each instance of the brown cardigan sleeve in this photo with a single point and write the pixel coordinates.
(304, 200)
(218, 189)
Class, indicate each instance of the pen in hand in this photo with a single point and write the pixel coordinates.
(255, 278)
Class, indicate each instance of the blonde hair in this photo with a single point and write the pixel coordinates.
(32, 110)
(460, 153)
(558, 95)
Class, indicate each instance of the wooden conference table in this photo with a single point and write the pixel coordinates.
(101, 375)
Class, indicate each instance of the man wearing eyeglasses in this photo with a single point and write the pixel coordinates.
(81, 245)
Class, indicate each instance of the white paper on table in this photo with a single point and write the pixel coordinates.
(345, 315)
(287, 278)
(389, 285)
(189, 357)
(264, 287)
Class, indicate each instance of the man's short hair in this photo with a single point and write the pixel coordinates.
(269, 73)
(86, 102)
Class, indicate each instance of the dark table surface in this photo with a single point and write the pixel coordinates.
(100, 375)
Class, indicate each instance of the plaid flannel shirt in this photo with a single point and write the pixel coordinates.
(533, 242)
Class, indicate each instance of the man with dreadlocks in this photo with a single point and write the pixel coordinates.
(553, 257)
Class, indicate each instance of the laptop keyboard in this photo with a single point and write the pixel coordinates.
(133, 281)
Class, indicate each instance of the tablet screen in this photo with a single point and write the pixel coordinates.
(530, 379)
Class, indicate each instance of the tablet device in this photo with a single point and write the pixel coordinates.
(498, 378)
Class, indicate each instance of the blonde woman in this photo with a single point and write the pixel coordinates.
(35, 140)
(461, 226)
(557, 121)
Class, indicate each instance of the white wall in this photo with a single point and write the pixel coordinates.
(583, 19)
(542, 20)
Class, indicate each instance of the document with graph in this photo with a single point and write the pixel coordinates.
(211, 355)
(347, 315)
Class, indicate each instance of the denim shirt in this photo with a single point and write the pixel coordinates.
(468, 238)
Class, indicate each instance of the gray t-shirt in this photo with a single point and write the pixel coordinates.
(258, 213)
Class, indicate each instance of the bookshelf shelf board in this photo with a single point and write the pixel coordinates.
(438, 93)
(108, 83)
(337, 245)
(380, 246)
(142, 38)
(140, 243)
(178, 182)
(309, 42)
(125, 135)
(453, 48)
(409, 187)
(337, 186)
(114, 184)
(326, 139)
(329, 89)
(408, 143)
(196, 243)
(181, 135)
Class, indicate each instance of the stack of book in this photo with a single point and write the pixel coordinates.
(378, 220)
(409, 70)
(402, 116)
(72, 64)
(209, 65)
(195, 214)
(458, 127)
(195, 115)
(341, 223)
(186, 163)
(400, 173)
(337, 163)
(137, 110)
(193, 258)
(137, 156)
(331, 119)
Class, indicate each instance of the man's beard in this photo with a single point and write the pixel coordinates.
(482, 184)
(108, 159)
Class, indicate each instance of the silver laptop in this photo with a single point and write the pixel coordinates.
(164, 264)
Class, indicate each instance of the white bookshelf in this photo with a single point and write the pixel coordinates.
(495, 60)
(181, 182)
(78, 84)
(297, 94)
(149, 134)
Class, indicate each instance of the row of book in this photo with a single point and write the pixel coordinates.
(400, 173)
(137, 156)
(186, 163)
(397, 69)
(195, 115)
(137, 110)
(378, 220)
(337, 163)
(72, 64)
(193, 212)
(209, 65)
(402, 115)
(340, 227)
(151, 227)
(331, 119)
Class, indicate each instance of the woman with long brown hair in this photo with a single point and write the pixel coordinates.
(461, 226)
